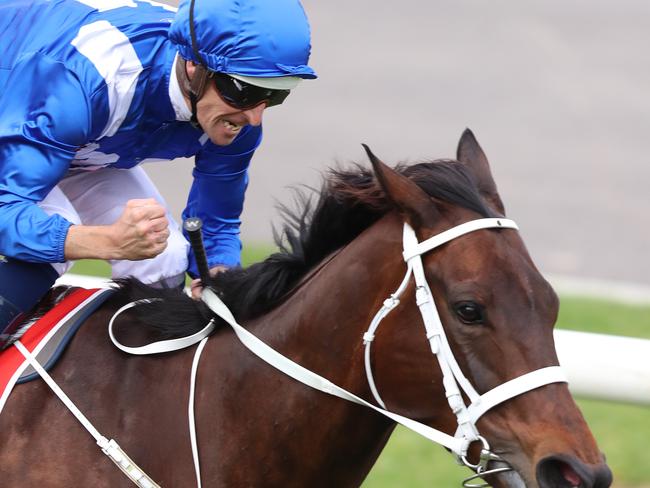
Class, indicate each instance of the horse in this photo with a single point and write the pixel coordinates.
(312, 300)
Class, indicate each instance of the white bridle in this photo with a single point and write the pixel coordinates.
(453, 378)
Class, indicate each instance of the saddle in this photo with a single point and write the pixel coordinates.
(47, 337)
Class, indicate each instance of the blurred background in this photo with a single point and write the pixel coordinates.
(556, 92)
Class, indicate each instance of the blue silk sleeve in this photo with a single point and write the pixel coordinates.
(217, 196)
(44, 118)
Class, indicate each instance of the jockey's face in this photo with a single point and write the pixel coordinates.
(220, 121)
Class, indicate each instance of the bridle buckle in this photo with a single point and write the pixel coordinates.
(481, 468)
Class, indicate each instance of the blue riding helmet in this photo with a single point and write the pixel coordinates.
(257, 38)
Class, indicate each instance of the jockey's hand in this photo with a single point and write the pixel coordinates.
(141, 232)
(196, 286)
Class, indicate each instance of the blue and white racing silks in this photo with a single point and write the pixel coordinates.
(86, 84)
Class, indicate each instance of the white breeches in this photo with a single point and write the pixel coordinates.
(98, 198)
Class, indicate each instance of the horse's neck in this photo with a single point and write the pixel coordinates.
(321, 328)
(321, 325)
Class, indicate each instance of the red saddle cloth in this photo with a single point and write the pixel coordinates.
(13, 364)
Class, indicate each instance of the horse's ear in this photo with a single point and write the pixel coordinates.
(411, 201)
(470, 153)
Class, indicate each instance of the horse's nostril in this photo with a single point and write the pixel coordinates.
(567, 472)
(555, 473)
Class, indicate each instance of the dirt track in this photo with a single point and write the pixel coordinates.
(558, 94)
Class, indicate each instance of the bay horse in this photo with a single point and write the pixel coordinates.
(312, 301)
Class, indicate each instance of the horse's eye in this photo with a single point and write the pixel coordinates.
(470, 312)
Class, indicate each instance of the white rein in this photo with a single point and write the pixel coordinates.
(453, 378)
(467, 416)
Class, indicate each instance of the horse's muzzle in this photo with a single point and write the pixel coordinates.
(569, 472)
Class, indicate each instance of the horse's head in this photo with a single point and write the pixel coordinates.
(498, 314)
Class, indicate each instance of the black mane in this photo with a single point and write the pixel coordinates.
(349, 202)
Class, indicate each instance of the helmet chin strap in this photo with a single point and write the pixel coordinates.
(196, 85)
(196, 91)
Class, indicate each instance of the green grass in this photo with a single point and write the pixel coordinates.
(622, 431)
(91, 267)
(589, 315)
(410, 461)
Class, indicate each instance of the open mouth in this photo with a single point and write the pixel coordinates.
(231, 127)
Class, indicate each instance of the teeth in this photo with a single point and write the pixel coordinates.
(231, 126)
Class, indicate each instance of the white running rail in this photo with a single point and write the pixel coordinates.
(605, 367)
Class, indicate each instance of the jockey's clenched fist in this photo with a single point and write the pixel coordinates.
(142, 229)
(141, 232)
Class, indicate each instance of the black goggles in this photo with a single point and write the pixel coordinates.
(242, 95)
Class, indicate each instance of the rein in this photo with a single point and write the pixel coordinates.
(453, 378)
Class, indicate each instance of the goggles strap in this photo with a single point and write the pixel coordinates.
(197, 84)
(194, 120)
(197, 88)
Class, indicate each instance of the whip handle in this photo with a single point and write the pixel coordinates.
(193, 228)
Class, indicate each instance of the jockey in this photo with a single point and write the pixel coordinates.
(89, 89)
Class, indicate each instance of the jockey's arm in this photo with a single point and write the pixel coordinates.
(40, 132)
(217, 197)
